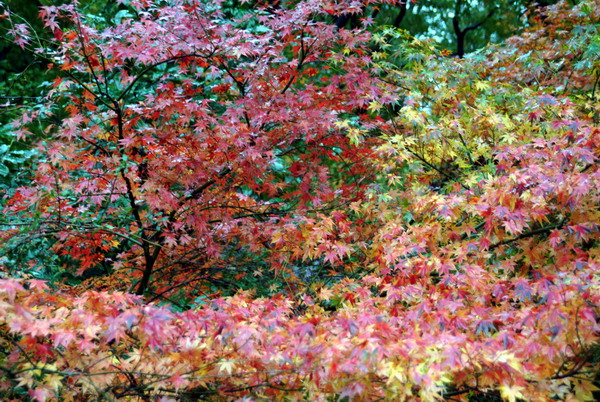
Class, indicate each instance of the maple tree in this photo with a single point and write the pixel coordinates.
(432, 221)
(184, 139)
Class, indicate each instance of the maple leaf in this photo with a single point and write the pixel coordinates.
(40, 394)
(511, 392)
(325, 294)
(21, 34)
(227, 366)
(11, 287)
(584, 390)
(54, 381)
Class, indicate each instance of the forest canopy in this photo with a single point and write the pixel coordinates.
(314, 199)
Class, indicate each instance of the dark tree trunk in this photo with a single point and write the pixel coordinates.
(460, 44)
(402, 14)
(462, 33)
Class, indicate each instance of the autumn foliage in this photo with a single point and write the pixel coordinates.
(281, 208)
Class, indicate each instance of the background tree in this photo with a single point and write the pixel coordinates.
(458, 25)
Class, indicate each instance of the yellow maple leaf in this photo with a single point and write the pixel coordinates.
(584, 391)
(226, 365)
(396, 372)
(54, 381)
(511, 392)
(325, 294)
(481, 85)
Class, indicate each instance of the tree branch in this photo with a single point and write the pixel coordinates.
(531, 233)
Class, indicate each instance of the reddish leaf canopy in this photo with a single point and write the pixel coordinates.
(189, 135)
